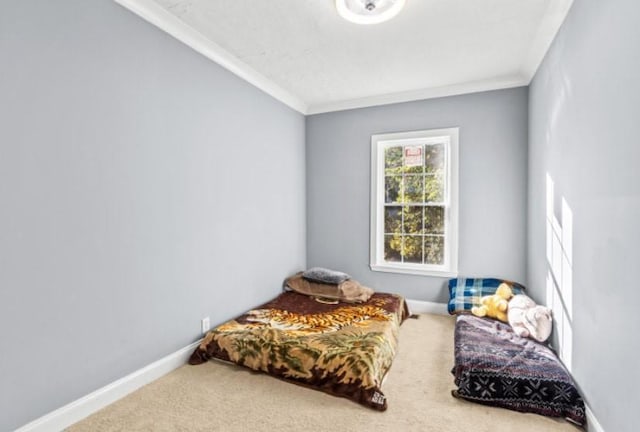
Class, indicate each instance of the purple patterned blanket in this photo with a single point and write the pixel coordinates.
(494, 366)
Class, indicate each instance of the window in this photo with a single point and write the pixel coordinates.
(414, 202)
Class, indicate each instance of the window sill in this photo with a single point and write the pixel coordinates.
(403, 269)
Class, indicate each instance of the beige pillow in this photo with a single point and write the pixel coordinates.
(349, 291)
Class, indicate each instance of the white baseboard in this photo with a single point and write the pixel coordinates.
(593, 425)
(418, 306)
(77, 410)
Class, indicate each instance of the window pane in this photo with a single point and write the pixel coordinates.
(392, 189)
(413, 169)
(392, 247)
(413, 159)
(434, 188)
(412, 249)
(393, 219)
(434, 158)
(413, 189)
(434, 250)
(412, 220)
(393, 160)
(434, 220)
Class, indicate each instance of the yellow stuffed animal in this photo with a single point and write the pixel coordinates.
(496, 305)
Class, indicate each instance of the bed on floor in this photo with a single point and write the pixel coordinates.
(341, 349)
(494, 366)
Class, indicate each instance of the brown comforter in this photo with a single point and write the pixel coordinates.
(343, 349)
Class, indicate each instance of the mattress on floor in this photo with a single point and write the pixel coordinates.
(494, 366)
(341, 349)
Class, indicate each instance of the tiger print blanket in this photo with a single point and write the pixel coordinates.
(342, 349)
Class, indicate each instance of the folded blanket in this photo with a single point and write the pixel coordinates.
(349, 291)
(323, 275)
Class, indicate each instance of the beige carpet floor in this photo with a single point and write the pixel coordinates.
(221, 397)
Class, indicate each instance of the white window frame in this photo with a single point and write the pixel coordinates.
(379, 143)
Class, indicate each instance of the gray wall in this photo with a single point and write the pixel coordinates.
(584, 133)
(493, 151)
(142, 187)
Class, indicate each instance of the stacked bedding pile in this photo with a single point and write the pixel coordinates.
(328, 285)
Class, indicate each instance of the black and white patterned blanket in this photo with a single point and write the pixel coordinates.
(494, 366)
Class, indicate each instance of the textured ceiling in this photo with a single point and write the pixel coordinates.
(432, 48)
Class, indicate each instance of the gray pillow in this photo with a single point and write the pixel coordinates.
(323, 275)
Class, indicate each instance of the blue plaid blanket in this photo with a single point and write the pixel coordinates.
(465, 293)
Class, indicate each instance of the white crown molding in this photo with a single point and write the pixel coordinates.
(166, 21)
(420, 307)
(556, 13)
(421, 94)
(155, 14)
(77, 410)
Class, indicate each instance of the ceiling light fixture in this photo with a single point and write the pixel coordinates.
(369, 11)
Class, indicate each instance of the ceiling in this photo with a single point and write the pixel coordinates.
(304, 54)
